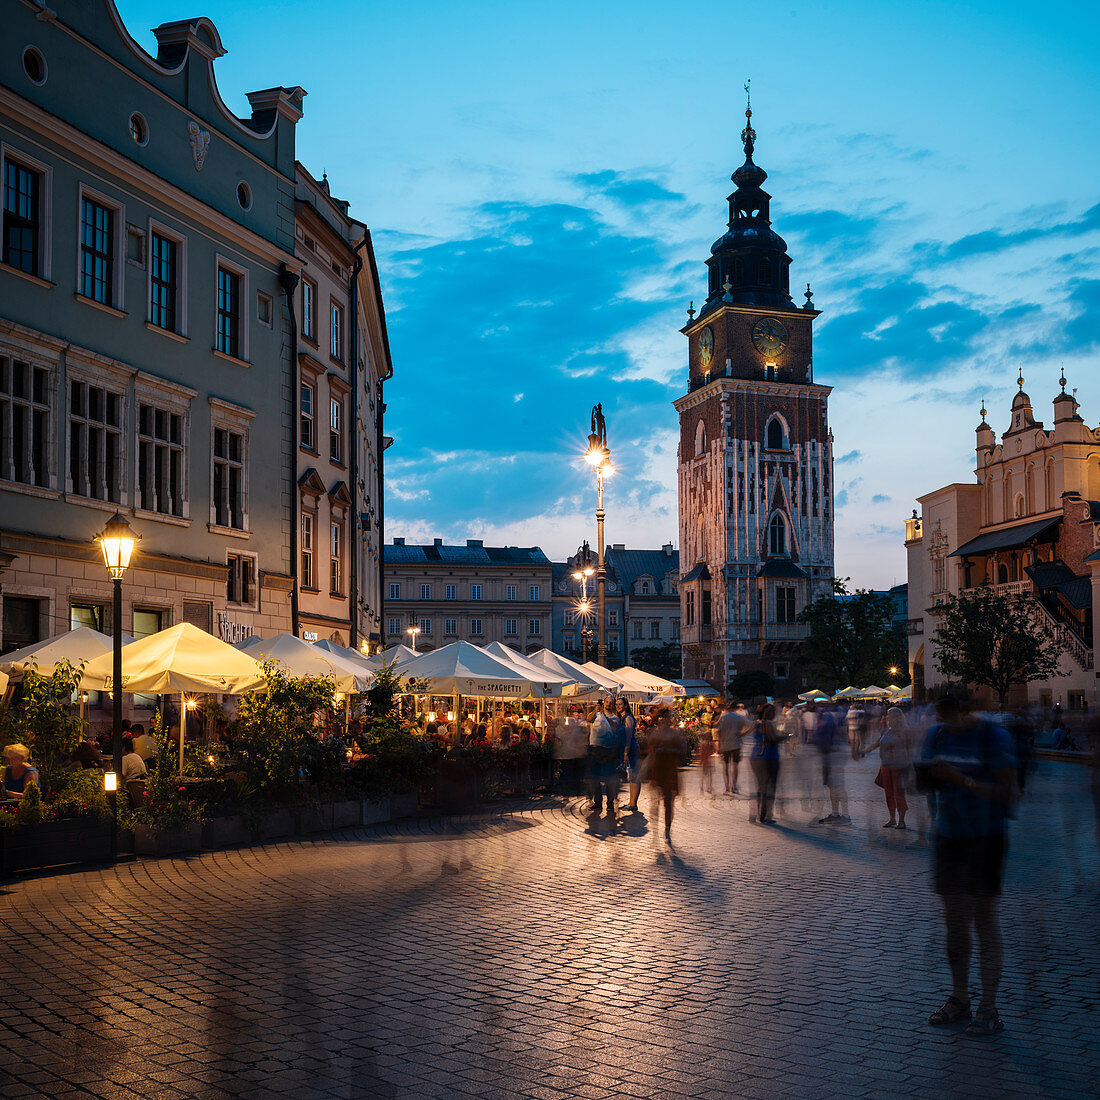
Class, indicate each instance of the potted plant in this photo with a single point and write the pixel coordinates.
(169, 819)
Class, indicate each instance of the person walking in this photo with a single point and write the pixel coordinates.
(970, 764)
(833, 748)
(666, 752)
(765, 763)
(732, 727)
(893, 750)
(633, 753)
(607, 752)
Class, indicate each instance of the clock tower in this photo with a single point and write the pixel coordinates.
(755, 464)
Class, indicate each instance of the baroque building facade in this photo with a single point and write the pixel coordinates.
(151, 240)
(1028, 524)
(755, 462)
(473, 593)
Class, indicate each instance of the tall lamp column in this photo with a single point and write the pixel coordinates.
(117, 541)
(599, 457)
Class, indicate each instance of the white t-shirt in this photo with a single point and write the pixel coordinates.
(133, 767)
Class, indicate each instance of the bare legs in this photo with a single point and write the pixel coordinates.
(960, 911)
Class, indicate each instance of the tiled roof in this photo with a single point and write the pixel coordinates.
(629, 565)
(463, 555)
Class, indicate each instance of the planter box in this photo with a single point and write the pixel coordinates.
(150, 841)
(375, 810)
(404, 805)
(345, 815)
(274, 824)
(314, 819)
(226, 832)
(80, 840)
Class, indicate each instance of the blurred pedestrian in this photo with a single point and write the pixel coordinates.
(733, 724)
(607, 753)
(633, 752)
(765, 762)
(666, 751)
(832, 746)
(707, 753)
(893, 750)
(970, 764)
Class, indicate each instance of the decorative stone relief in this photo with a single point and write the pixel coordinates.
(200, 143)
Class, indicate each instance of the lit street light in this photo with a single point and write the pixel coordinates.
(598, 456)
(583, 606)
(412, 633)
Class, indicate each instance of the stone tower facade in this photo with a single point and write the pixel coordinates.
(755, 456)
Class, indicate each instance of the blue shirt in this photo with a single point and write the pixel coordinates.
(977, 751)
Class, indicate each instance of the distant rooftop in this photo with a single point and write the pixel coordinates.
(475, 552)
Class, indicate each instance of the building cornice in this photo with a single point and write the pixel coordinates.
(763, 387)
(733, 307)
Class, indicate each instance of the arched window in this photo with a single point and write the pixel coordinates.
(1050, 502)
(700, 438)
(645, 588)
(765, 273)
(1002, 573)
(777, 535)
(738, 273)
(776, 435)
(1018, 506)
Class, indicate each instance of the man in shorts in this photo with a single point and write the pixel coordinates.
(732, 727)
(970, 764)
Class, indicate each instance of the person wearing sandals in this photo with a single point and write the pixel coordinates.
(893, 752)
(970, 765)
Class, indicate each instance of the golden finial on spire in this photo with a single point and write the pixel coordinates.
(1020, 380)
(1062, 380)
(983, 410)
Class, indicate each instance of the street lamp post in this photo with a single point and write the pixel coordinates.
(117, 541)
(599, 458)
(412, 633)
(583, 607)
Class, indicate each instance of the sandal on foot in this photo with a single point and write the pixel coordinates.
(953, 1011)
(986, 1023)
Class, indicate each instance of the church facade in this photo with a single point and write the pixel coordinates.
(755, 464)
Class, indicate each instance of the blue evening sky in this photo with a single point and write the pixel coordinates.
(544, 180)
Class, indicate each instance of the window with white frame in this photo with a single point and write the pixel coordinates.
(655, 629)
(568, 642)
(475, 591)
(335, 431)
(534, 627)
(570, 618)
(164, 282)
(241, 583)
(161, 454)
(636, 630)
(675, 629)
(511, 627)
(307, 430)
(25, 203)
(229, 312)
(533, 592)
(95, 441)
(228, 498)
(309, 310)
(425, 591)
(510, 592)
(452, 592)
(25, 404)
(612, 617)
(395, 591)
(425, 626)
(336, 325)
(394, 627)
(307, 550)
(450, 627)
(645, 588)
(336, 558)
(475, 628)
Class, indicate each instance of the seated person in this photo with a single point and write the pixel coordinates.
(19, 773)
(133, 773)
(144, 744)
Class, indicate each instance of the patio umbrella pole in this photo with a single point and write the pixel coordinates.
(183, 727)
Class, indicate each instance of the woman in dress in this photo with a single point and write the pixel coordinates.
(765, 762)
(893, 751)
(666, 753)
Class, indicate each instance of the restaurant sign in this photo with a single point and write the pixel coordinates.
(233, 632)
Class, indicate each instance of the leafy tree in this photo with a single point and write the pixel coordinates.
(396, 757)
(43, 719)
(994, 640)
(659, 660)
(852, 636)
(751, 682)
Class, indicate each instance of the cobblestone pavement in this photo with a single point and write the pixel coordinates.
(535, 953)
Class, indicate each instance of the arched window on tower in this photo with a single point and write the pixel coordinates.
(1049, 478)
(765, 273)
(738, 276)
(1018, 506)
(700, 438)
(777, 535)
(775, 435)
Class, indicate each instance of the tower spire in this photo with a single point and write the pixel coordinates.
(748, 134)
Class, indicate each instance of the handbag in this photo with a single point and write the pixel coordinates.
(878, 778)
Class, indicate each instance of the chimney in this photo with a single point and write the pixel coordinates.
(399, 542)
(667, 548)
(437, 542)
(475, 544)
(620, 546)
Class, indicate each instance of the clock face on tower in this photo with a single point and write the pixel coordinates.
(706, 347)
(770, 336)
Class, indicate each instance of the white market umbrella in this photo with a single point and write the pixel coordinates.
(847, 693)
(464, 669)
(80, 645)
(815, 696)
(554, 684)
(587, 686)
(353, 657)
(302, 658)
(646, 681)
(603, 676)
(873, 692)
(181, 659)
(904, 694)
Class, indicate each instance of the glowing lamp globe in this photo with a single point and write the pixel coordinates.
(117, 541)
